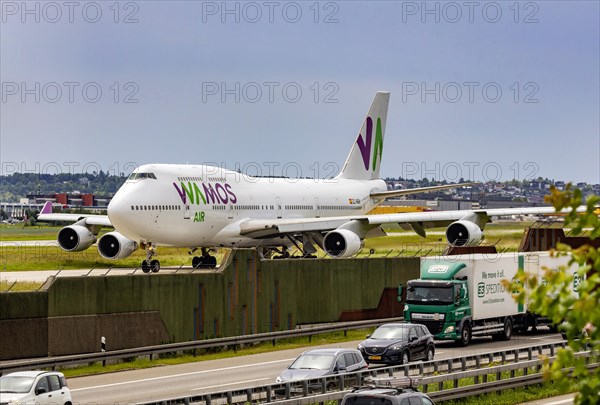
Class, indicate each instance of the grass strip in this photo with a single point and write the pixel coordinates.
(19, 286)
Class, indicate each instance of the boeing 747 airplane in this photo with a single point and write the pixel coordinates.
(203, 207)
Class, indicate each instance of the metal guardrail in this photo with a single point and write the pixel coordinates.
(481, 384)
(334, 387)
(152, 351)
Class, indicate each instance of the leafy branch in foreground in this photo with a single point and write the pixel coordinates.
(571, 301)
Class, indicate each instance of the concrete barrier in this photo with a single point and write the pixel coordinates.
(246, 296)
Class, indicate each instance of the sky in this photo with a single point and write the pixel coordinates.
(479, 90)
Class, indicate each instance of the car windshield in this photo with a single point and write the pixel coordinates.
(431, 294)
(16, 385)
(313, 361)
(390, 332)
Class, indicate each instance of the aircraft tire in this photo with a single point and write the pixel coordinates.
(197, 262)
(210, 262)
(155, 266)
(145, 266)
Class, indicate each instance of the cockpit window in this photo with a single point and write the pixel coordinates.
(141, 176)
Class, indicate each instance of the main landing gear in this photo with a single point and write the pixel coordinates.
(206, 261)
(150, 265)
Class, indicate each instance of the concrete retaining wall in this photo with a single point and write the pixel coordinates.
(247, 296)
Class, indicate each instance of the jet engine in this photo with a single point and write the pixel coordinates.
(342, 243)
(75, 238)
(115, 246)
(463, 233)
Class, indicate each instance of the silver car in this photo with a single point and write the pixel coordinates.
(318, 363)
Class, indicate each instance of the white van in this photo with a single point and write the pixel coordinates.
(34, 387)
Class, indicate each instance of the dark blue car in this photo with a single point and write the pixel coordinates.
(398, 343)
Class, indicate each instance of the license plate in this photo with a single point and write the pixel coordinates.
(374, 357)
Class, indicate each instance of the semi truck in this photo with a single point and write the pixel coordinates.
(458, 297)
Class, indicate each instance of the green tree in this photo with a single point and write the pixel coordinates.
(578, 314)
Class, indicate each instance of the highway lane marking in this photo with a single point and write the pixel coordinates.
(564, 401)
(222, 385)
(181, 375)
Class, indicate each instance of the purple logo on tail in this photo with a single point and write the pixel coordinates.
(365, 146)
(365, 149)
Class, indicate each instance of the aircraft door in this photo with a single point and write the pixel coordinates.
(317, 208)
(186, 213)
(230, 212)
(278, 207)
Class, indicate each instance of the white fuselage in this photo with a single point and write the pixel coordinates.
(204, 206)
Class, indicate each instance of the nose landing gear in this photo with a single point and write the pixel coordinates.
(150, 265)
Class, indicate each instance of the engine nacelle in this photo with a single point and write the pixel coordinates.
(342, 243)
(75, 238)
(115, 246)
(463, 233)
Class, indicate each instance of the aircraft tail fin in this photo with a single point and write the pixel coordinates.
(47, 208)
(364, 159)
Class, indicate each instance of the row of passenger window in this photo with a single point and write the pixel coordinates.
(243, 207)
(253, 207)
(155, 208)
(340, 207)
(210, 179)
(323, 207)
(299, 207)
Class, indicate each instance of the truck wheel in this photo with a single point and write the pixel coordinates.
(465, 336)
(507, 333)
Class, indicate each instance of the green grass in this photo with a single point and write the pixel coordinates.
(19, 286)
(20, 232)
(220, 353)
(513, 396)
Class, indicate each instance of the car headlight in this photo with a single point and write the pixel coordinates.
(406, 307)
(278, 380)
(396, 347)
(360, 346)
(449, 329)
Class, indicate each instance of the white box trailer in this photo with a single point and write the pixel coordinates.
(461, 296)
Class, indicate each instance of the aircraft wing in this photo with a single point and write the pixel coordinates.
(416, 221)
(266, 228)
(398, 193)
(46, 215)
(435, 217)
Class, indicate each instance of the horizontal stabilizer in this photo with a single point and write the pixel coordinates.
(398, 193)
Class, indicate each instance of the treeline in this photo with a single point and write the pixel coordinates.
(18, 185)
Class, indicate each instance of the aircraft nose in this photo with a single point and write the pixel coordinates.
(119, 212)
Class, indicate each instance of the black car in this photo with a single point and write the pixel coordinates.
(386, 394)
(398, 343)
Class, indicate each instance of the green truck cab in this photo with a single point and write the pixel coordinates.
(439, 300)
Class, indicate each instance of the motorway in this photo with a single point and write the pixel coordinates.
(560, 400)
(245, 371)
